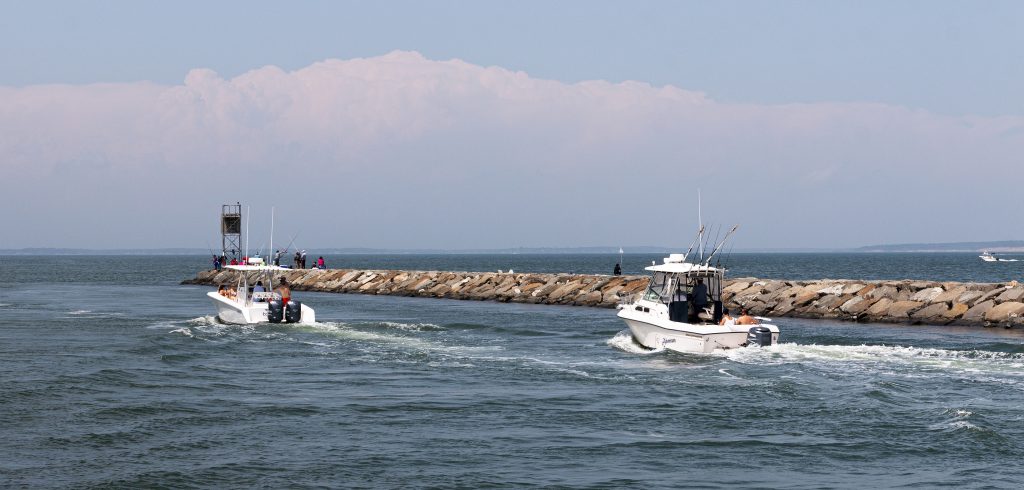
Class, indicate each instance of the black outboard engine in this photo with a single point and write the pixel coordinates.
(293, 311)
(275, 311)
(759, 336)
(717, 316)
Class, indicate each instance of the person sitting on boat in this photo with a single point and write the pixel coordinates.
(285, 292)
(726, 319)
(222, 290)
(746, 319)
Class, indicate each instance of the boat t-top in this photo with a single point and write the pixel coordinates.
(245, 303)
(682, 308)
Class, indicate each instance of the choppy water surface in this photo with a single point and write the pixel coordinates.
(112, 376)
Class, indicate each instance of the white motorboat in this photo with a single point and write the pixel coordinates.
(242, 305)
(682, 308)
(990, 257)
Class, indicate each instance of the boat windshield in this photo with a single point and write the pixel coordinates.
(657, 290)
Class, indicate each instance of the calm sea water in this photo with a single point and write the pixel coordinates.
(113, 375)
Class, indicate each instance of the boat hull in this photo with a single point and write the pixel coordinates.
(655, 332)
(229, 311)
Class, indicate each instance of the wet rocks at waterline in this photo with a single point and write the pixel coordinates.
(906, 301)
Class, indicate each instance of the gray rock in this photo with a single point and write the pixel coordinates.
(977, 312)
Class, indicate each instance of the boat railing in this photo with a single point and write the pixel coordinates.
(628, 299)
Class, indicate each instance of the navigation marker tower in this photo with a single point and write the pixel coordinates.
(231, 230)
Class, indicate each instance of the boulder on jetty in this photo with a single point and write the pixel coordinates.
(911, 302)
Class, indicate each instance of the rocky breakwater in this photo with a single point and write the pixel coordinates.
(550, 289)
(913, 302)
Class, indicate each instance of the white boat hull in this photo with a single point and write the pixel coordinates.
(229, 311)
(653, 329)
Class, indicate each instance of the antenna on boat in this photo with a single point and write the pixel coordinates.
(694, 242)
(272, 253)
(700, 222)
(247, 209)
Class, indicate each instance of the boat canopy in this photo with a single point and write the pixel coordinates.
(674, 264)
(251, 268)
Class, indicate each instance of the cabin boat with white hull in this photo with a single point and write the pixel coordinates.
(682, 308)
(245, 306)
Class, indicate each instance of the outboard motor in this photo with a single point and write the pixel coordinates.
(293, 311)
(759, 336)
(717, 312)
(275, 311)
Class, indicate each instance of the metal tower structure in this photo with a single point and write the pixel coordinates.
(231, 230)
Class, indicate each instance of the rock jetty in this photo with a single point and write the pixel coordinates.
(911, 302)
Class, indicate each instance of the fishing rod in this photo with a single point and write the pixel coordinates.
(728, 256)
(286, 249)
(719, 247)
(699, 232)
(717, 232)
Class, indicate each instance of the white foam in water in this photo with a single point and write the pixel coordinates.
(875, 356)
(205, 320)
(349, 332)
(413, 327)
(183, 331)
(79, 312)
(624, 342)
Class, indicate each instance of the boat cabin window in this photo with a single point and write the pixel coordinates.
(658, 288)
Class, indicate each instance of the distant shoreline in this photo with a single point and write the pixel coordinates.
(522, 251)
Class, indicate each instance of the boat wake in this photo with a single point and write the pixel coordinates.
(365, 336)
(624, 341)
(906, 360)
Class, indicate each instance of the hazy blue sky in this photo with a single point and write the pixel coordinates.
(494, 124)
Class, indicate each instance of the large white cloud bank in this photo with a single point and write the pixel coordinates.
(413, 152)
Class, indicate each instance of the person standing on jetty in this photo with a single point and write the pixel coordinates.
(618, 269)
(216, 263)
(277, 258)
(296, 262)
(303, 259)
